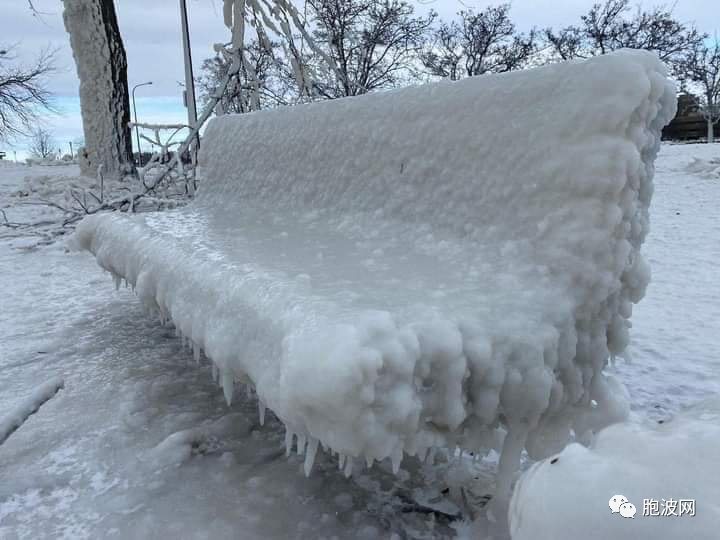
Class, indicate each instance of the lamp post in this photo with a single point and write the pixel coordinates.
(189, 94)
(137, 131)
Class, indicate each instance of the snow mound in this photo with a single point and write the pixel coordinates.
(707, 168)
(450, 264)
(567, 496)
(179, 446)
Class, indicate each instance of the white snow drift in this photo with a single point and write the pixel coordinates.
(567, 496)
(425, 267)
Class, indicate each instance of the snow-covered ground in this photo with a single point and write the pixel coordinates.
(140, 443)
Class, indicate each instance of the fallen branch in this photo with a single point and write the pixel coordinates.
(7, 223)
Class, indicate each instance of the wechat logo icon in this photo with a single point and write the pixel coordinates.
(620, 505)
(616, 502)
(627, 510)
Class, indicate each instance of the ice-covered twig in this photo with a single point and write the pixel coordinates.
(192, 136)
(145, 125)
(29, 406)
(8, 223)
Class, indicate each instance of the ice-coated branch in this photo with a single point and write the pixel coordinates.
(18, 415)
(23, 92)
(145, 125)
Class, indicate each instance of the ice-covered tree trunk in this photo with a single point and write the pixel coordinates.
(711, 130)
(102, 69)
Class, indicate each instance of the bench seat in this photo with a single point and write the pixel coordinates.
(451, 264)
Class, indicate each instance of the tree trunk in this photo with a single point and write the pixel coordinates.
(102, 69)
(711, 130)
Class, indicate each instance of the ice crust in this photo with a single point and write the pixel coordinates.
(451, 264)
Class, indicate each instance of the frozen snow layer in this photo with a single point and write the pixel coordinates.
(425, 267)
(653, 468)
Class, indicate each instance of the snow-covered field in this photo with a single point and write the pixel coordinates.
(140, 443)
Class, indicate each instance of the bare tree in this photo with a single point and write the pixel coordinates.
(702, 67)
(23, 91)
(42, 144)
(483, 42)
(263, 80)
(615, 25)
(372, 43)
(104, 98)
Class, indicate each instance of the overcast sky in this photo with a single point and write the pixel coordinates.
(151, 33)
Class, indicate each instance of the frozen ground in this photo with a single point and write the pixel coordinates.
(140, 443)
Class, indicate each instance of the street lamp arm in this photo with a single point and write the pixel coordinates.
(137, 130)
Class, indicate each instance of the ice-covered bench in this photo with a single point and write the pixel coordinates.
(451, 264)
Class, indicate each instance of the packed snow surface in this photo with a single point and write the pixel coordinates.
(451, 264)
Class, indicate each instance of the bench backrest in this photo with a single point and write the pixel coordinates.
(551, 167)
(459, 155)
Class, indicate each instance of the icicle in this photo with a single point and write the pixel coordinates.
(196, 352)
(248, 390)
(348, 467)
(508, 464)
(301, 445)
(431, 456)
(261, 410)
(422, 454)
(116, 279)
(396, 459)
(310, 455)
(214, 372)
(289, 436)
(227, 385)
(369, 460)
(341, 461)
